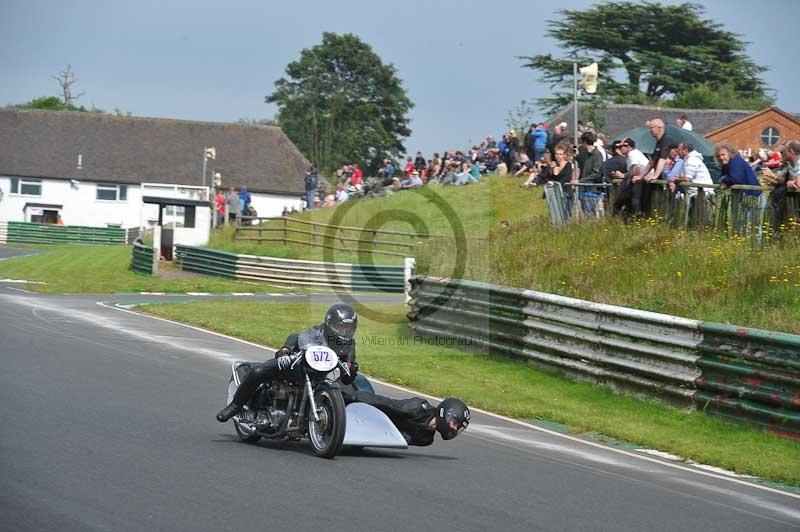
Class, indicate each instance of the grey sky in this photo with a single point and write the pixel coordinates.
(212, 60)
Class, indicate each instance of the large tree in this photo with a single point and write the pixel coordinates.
(648, 53)
(340, 103)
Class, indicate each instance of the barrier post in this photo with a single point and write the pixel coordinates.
(408, 270)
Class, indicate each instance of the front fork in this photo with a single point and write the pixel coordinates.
(312, 403)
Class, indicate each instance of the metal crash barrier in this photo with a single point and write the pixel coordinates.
(737, 373)
(290, 272)
(142, 260)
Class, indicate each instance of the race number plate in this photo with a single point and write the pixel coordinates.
(321, 358)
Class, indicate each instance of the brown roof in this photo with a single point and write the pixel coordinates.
(123, 149)
(622, 117)
(789, 116)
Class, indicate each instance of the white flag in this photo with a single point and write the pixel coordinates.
(211, 153)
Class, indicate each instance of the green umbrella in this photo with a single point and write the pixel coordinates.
(645, 142)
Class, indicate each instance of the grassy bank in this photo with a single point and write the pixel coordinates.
(74, 268)
(647, 265)
(386, 350)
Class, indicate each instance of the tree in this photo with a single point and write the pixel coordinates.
(707, 96)
(648, 53)
(341, 104)
(54, 103)
(66, 79)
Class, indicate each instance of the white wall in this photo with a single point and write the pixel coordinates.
(272, 204)
(80, 204)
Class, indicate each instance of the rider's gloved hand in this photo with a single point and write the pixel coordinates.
(352, 368)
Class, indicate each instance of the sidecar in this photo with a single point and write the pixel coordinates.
(369, 427)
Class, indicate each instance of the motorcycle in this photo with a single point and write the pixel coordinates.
(303, 401)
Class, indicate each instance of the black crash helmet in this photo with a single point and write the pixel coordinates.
(452, 418)
(341, 322)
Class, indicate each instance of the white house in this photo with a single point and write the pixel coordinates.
(89, 169)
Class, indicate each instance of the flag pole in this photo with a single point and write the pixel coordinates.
(205, 159)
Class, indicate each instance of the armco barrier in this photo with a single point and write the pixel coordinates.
(750, 375)
(142, 260)
(290, 272)
(742, 374)
(63, 234)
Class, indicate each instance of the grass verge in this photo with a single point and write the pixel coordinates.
(388, 351)
(76, 268)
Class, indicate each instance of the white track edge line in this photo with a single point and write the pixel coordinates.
(498, 416)
(199, 329)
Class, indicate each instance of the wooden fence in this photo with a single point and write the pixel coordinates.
(326, 236)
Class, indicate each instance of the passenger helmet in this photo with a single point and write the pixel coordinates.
(452, 418)
(340, 325)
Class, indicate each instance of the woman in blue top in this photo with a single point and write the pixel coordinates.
(735, 170)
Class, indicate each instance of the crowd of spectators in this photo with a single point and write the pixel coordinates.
(545, 156)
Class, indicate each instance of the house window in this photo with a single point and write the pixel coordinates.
(770, 136)
(112, 192)
(26, 187)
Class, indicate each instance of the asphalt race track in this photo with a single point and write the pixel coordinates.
(108, 425)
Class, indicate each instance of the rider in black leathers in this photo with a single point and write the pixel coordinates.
(337, 332)
(415, 418)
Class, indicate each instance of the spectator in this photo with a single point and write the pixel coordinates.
(341, 194)
(735, 170)
(285, 211)
(617, 162)
(234, 206)
(676, 168)
(774, 160)
(541, 172)
(539, 142)
(490, 142)
(513, 151)
(636, 164)
(411, 181)
(409, 167)
(693, 170)
(590, 173)
(654, 169)
(492, 161)
(419, 162)
(465, 177)
(311, 182)
(784, 180)
(527, 166)
(387, 174)
(527, 143)
(436, 166)
(244, 196)
(357, 173)
(563, 172)
(756, 164)
(220, 208)
(560, 135)
(683, 123)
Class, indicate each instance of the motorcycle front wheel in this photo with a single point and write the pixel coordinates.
(327, 434)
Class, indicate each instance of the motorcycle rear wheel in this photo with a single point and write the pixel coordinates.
(243, 433)
(327, 435)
